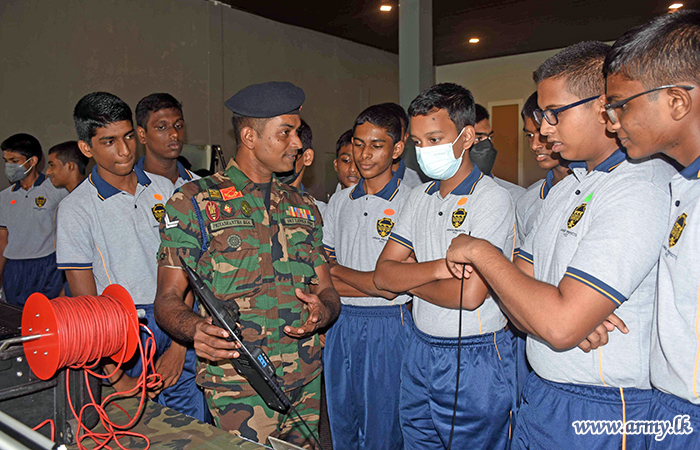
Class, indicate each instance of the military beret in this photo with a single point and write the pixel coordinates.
(263, 100)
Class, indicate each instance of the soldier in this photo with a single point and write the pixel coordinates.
(256, 242)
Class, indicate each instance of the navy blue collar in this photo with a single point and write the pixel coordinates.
(40, 179)
(692, 172)
(610, 163)
(401, 171)
(388, 192)
(466, 187)
(106, 190)
(547, 185)
(181, 171)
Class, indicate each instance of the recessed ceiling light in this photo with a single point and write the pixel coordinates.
(675, 6)
(474, 40)
(385, 8)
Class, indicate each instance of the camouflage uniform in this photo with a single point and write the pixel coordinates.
(221, 228)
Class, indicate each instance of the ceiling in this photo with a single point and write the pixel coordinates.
(505, 27)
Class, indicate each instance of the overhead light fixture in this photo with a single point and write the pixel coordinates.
(675, 6)
(474, 40)
(385, 8)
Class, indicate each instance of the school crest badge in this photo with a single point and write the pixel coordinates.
(40, 201)
(212, 211)
(458, 217)
(677, 230)
(158, 211)
(384, 226)
(246, 209)
(576, 215)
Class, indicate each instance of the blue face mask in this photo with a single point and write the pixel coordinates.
(438, 162)
(15, 172)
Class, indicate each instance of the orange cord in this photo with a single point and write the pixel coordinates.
(53, 431)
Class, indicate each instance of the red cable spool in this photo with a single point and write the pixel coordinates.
(40, 317)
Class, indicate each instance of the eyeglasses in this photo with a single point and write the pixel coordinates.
(478, 137)
(611, 107)
(552, 115)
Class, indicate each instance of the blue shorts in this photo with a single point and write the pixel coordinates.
(184, 396)
(486, 391)
(682, 416)
(23, 277)
(555, 415)
(362, 364)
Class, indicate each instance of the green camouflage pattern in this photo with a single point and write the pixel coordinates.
(245, 414)
(254, 258)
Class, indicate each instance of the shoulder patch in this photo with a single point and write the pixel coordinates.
(230, 193)
(214, 194)
(212, 211)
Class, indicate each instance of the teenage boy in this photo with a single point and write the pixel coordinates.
(364, 348)
(593, 250)
(461, 200)
(27, 211)
(653, 93)
(108, 233)
(344, 163)
(161, 129)
(408, 176)
(67, 165)
(529, 204)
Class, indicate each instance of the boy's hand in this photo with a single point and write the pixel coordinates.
(318, 316)
(458, 260)
(442, 271)
(170, 364)
(210, 342)
(599, 336)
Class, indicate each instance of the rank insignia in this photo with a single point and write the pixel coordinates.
(230, 193)
(246, 209)
(227, 209)
(214, 194)
(384, 226)
(158, 211)
(294, 211)
(677, 230)
(212, 211)
(576, 215)
(458, 217)
(40, 201)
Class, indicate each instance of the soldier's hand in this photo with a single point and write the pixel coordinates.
(210, 342)
(318, 315)
(599, 336)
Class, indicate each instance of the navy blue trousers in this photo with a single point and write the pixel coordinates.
(683, 417)
(23, 277)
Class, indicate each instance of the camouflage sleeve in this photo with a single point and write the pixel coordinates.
(180, 232)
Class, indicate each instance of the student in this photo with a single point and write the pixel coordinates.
(483, 153)
(653, 88)
(344, 163)
(593, 251)
(461, 201)
(161, 129)
(27, 208)
(408, 176)
(108, 233)
(529, 204)
(364, 348)
(67, 165)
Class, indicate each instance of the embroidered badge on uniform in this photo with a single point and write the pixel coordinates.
(227, 210)
(384, 226)
(170, 223)
(40, 201)
(158, 211)
(230, 193)
(214, 194)
(458, 217)
(234, 241)
(246, 209)
(576, 215)
(677, 230)
(212, 211)
(300, 212)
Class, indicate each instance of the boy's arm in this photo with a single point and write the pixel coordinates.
(354, 283)
(446, 293)
(395, 275)
(3, 244)
(172, 361)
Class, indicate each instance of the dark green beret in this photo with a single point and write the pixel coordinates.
(263, 100)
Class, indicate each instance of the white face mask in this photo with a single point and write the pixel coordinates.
(438, 162)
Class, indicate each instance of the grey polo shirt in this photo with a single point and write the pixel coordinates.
(408, 176)
(675, 350)
(528, 206)
(184, 176)
(28, 217)
(356, 227)
(428, 223)
(514, 190)
(113, 233)
(603, 229)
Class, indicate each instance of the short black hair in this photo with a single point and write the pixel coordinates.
(453, 98)
(70, 152)
(305, 135)
(481, 113)
(97, 110)
(528, 111)
(239, 122)
(384, 117)
(400, 113)
(24, 144)
(664, 51)
(153, 103)
(581, 65)
(343, 140)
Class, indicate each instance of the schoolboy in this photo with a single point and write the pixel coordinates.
(67, 165)
(408, 176)
(461, 200)
(108, 233)
(593, 251)
(374, 325)
(344, 164)
(27, 211)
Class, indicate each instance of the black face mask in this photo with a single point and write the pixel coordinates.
(483, 155)
(288, 177)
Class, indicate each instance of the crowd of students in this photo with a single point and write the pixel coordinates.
(475, 313)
